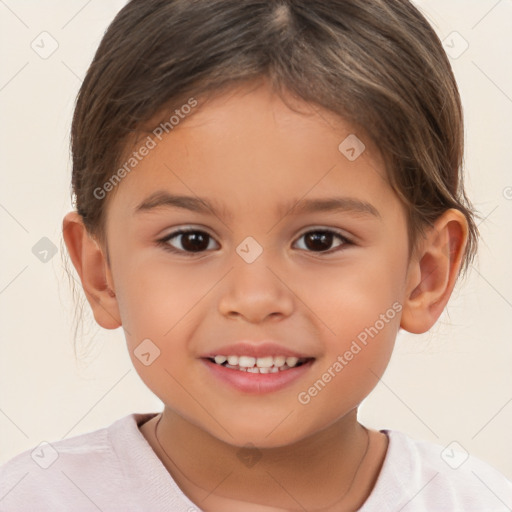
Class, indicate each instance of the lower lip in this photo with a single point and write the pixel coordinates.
(258, 383)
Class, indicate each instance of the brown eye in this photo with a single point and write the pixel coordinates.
(188, 241)
(194, 241)
(322, 240)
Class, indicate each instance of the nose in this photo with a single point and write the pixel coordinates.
(256, 292)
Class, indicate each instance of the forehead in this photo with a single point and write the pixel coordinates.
(246, 144)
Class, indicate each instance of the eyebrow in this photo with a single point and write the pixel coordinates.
(163, 199)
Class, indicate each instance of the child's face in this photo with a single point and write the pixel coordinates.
(254, 159)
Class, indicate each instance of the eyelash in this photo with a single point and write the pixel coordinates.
(164, 242)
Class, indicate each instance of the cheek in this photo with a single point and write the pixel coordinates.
(354, 362)
(359, 313)
(158, 304)
(157, 295)
(349, 298)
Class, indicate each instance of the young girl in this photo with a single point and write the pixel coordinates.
(266, 192)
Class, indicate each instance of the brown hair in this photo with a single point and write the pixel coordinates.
(377, 63)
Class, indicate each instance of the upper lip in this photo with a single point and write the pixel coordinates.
(254, 349)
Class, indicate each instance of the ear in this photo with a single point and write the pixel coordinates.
(94, 271)
(433, 271)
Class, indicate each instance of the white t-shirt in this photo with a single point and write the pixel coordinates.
(115, 469)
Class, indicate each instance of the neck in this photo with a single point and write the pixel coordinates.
(332, 464)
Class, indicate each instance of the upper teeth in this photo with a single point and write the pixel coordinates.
(260, 362)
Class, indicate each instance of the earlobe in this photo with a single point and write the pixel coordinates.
(92, 267)
(433, 272)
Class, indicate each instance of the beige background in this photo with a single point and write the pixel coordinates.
(454, 383)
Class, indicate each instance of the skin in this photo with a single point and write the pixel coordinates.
(248, 152)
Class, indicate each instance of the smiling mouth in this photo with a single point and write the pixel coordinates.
(268, 364)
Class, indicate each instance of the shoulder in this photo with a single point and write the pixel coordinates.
(69, 473)
(420, 476)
